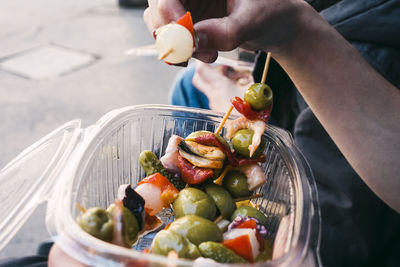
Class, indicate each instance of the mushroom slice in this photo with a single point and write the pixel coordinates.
(201, 162)
(208, 152)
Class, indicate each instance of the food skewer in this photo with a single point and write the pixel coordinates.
(175, 41)
(264, 76)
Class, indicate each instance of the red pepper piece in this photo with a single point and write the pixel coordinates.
(248, 224)
(253, 225)
(187, 22)
(245, 109)
(191, 174)
(212, 140)
(243, 161)
(240, 245)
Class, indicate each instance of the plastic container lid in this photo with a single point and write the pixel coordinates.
(28, 179)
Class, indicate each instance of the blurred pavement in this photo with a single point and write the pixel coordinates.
(61, 60)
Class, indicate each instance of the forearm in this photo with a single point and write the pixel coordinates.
(359, 109)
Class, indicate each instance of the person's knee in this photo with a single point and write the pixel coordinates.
(184, 93)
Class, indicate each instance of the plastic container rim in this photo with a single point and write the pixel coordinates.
(75, 168)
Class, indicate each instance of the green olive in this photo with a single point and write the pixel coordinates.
(167, 240)
(130, 225)
(194, 201)
(196, 134)
(236, 183)
(222, 199)
(196, 229)
(98, 223)
(259, 96)
(246, 211)
(241, 141)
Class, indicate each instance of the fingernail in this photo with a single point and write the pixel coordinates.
(202, 41)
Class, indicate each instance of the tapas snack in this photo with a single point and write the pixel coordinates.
(202, 180)
(175, 42)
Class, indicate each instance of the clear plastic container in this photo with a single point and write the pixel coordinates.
(86, 166)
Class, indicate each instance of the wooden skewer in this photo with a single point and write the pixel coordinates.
(79, 207)
(266, 66)
(166, 54)
(218, 219)
(221, 125)
(218, 181)
(247, 198)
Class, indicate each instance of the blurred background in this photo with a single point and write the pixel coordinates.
(61, 60)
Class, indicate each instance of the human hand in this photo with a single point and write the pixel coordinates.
(220, 84)
(58, 258)
(223, 25)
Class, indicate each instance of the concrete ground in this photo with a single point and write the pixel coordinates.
(61, 60)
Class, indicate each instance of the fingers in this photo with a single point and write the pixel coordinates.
(207, 56)
(161, 12)
(58, 258)
(216, 34)
(170, 10)
(221, 34)
(148, 20)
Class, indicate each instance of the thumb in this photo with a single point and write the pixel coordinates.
(221, 34)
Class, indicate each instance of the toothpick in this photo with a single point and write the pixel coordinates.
(218, 219)
(266, 66)
(247, 198)
(221, 125)
(218, 181)
(166, 54)
(79, 207)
